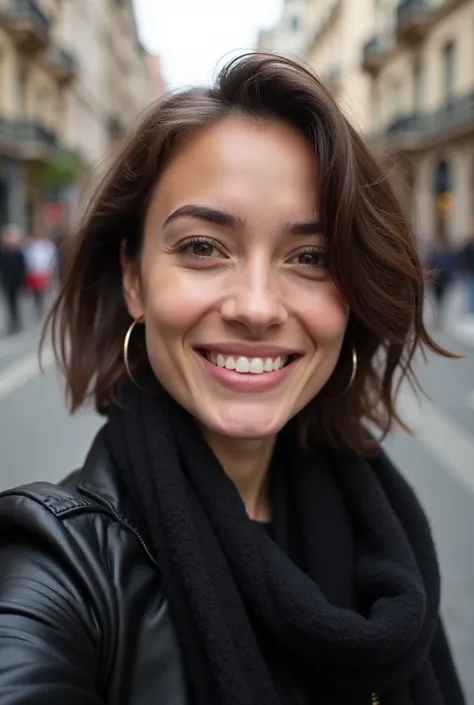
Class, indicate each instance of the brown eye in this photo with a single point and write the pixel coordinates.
(310, 258)
(202, 249)
(199, 248)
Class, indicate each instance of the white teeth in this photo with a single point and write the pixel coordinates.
(268, 366)
(256, 365)
(230, 363)
(246, 365)
(243, 365)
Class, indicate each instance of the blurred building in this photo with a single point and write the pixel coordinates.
(403, 72)
(338, 28)
(72, 77)
(420, 60)
(155, 72)
(290, 35)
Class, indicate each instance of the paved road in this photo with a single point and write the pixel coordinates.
(39, 441)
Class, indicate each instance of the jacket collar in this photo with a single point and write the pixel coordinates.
(100, 479)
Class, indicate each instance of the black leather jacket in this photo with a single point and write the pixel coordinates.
(83, 617)
(83, 620)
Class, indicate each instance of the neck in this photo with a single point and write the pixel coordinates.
(246, 463)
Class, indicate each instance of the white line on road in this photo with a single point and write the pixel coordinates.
(10, 347)
(20, 372)
(441, 436)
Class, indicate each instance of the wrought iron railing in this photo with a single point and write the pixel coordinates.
(23, 130)
(29, 10)
(454, 112)
(406, 8)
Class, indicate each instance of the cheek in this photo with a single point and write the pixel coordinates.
(327, 315)
(172, 300)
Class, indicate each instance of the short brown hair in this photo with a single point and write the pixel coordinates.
(372, 249)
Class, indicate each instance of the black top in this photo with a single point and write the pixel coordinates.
(12, 268)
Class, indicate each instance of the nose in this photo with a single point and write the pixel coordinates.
(254, 300)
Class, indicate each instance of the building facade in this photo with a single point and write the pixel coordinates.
(291, 34)
(403, 72)
(420, 59)
(72, 77)
(338, 28)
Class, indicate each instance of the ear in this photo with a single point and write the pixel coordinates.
(131, 283)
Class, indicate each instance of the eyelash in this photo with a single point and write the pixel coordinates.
(183, 246)
(186, 244)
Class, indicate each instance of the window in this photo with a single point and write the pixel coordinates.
(449, 57)
(22, 90)
(418, 86)
(376, 111)
(294, 23)
(395, 94)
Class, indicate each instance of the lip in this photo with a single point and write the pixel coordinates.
(249, 350)
(238, 382)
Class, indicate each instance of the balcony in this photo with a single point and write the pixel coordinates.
(416, 132)
(62, 64)
(414, 18)
(376, 51)
(26, 139)
(26, 22)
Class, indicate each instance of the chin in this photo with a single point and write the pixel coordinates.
(244, 423)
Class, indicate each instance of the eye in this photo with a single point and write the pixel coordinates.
(314, 257)
(199, 248)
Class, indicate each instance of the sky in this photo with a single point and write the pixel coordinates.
(194, 36)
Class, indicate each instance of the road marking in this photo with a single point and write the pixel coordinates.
(20, 372)
(441, 436)
(10, 347)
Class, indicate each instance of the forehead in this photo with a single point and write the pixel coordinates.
(241, 164)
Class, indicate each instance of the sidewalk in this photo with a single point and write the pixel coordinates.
(457, 323)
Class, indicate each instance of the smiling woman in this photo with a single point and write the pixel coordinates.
(241, 301)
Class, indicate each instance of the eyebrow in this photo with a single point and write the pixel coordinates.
(209, 215)
(227, 220)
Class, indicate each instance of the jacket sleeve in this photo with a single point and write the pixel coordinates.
(49, 637)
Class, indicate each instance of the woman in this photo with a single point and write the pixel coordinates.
(243, 292)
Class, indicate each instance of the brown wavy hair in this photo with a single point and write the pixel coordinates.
(371, 246)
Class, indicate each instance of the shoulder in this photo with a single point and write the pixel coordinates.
(86, 518)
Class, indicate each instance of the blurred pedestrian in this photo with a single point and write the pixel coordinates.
(442, 266)
(243, 296)
(467, 267)
(40, 256)
(60, 243)
(12, 273)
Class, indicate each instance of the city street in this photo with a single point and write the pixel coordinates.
(40, 441)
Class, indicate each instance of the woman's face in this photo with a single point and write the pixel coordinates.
(244, 324)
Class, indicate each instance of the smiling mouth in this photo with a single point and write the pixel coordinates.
(247, 365)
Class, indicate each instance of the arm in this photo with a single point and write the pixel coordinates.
(49, 641)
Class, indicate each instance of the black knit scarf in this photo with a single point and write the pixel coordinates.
(360, 618)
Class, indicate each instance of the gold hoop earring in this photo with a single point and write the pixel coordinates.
(354, 370)
(126, 362)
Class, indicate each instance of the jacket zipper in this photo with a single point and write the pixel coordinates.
(375, 699)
